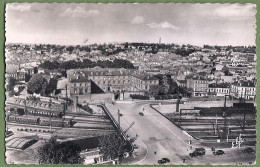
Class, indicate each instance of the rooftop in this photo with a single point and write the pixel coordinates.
(145, 77)
(219, 85)
(80, 79)
(245, 84)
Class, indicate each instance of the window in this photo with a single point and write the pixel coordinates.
(80, 91)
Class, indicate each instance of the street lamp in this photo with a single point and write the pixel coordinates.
(118, 112)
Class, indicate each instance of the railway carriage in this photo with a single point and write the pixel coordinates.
(23, 119)
(47, 113)
(44, 121)
(56, 122)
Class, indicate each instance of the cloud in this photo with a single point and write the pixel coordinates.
(79, 12)
(235, 10)
(18, 7)
(138, 20)
(163, 25)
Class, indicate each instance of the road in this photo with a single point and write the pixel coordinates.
(157, 134)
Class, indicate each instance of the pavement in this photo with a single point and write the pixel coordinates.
(157, 138)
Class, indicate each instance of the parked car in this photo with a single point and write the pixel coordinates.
(163, 161)
(219, 152)
(140, 113)
(198, 152)
(249, 151)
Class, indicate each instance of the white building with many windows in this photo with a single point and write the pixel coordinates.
(244, 89)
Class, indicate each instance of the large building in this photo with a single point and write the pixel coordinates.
(199, 86)
(110, 80)
(244, 89)
(80, 87)
(143, 82)
(219, 89)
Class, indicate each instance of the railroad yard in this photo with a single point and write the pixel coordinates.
(214, 130)
(26, 135)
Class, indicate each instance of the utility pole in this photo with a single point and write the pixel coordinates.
(25, 107)
(227, 132)
(178, 101)
(50, 113)
(216, 124)
(66, 96)
(225, 115)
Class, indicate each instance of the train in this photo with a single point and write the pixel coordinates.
(43, 121)
(36, 112)
(212, 111)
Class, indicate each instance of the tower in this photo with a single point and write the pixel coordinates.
(160, 40)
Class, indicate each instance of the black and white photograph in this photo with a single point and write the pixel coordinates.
(130, 84)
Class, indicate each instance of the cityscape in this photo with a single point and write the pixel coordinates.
(129, 99)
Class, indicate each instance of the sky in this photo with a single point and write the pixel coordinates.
(73, 24)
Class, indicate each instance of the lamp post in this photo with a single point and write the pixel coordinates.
(118, 112)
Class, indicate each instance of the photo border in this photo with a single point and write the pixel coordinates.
(2, 64)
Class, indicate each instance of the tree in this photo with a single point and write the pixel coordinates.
(37, 84)
(51, 86)
(11, 84)
(213, 70)
(53, 152)
(35, 70)
(112, 146)
(154, 90)
(27, 77)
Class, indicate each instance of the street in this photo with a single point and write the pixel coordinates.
(159, 138)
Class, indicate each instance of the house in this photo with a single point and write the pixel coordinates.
(199, 85)
(219, 89)
(245, 89)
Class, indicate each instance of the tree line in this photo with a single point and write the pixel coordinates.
(86, 63)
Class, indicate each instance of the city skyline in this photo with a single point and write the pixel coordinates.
(68, 24)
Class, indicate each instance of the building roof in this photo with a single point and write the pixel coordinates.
(80, 79)
(244, 84)
(219, 85)
(182, 81)
(145, 77)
